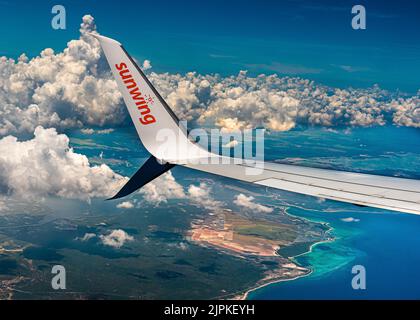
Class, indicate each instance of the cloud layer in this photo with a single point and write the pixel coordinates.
(281, 103)
(46, 165)
(74, 88)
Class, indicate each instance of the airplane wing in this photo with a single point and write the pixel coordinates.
(154, 120)
(383, 192)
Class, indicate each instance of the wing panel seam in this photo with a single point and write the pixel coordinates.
(335, 180)
(333, 189)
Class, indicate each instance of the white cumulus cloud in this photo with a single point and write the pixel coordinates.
(201, 195)
(248, 202)
(125, 205)
(162, 189)
(92, 131)
(46, 165)
(86, 237)
(63, 90)
(146, 65)
(350, 219)
(87, 131)
(231, 144)
(116, 238)
(165, 188)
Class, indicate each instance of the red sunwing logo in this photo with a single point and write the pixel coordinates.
(138, 98)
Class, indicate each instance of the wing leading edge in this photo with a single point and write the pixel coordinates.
(383, 192)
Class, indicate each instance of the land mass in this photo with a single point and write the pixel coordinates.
(189, 254)
(264, 241)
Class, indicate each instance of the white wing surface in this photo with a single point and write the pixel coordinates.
(383, 192)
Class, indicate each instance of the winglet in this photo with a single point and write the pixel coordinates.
(103, 39)
(153, 119)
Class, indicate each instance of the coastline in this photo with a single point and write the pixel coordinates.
(245, 295)
(310, 271)
(288, 268)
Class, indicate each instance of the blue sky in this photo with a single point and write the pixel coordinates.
(310, 39)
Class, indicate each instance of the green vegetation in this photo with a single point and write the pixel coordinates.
(265, 231)
(295, 249)
(268, 230)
